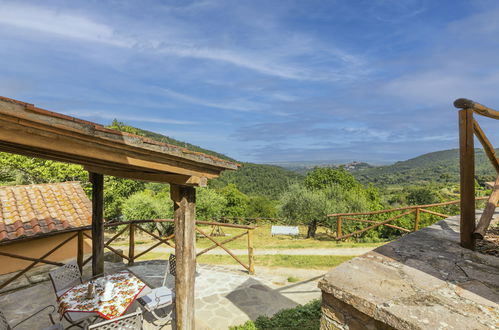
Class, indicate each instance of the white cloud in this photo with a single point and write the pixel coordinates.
(59, 23)
(238, 105)
(276, 60)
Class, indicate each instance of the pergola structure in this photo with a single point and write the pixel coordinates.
(31, 131)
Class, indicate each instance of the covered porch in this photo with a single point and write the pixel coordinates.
(224, 295)
(31, 131)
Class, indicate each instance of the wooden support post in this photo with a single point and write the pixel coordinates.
(251, 252)
(338, 228)
(80, 252)
(184, 207)
(418, 218)
(467, 168)
(131, 244)
(97, 223)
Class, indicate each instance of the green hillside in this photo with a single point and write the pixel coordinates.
(257, 179)
(252, 179)
(439, 166)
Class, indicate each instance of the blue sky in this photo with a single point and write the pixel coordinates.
(261, 81)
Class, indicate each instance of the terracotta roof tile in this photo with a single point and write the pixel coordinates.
(41, 208)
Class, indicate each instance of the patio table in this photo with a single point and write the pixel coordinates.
(126, 289)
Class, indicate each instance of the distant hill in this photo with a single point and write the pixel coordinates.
(439, 166)
(258, 179)
(305, 167)
(251, 179)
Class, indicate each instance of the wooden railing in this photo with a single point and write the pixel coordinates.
(131, 227)
(362, 217)
(468, 128)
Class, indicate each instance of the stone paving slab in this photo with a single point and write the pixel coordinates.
(424, 280)
(225, 295)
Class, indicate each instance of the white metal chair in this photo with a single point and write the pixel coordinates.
(132, 321)
(63, 279)
(163, 296)
(4, 325)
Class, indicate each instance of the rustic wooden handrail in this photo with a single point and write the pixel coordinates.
(416, 209)
(488, 212)
(477, 108)
(401, 208)
(41, 259)
(81, 232)
(468, 128)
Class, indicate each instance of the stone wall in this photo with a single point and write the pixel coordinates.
(338, 315)
(424, 280)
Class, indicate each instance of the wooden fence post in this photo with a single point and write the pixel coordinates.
(418, 217)
(467, 171)
(338, 228)
(131, 244)
(251, 257)
(80, 252)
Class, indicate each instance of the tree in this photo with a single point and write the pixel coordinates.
(300, 205)
(148, 205)
(236, 202)
(29, 170)
(116, 191)
(422, 196)
(262, 207)
(209, 204)
(322, 177)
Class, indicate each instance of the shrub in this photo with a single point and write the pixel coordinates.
(303, 317)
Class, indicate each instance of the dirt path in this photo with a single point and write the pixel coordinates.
(300, 252)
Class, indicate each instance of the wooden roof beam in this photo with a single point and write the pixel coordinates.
(184, 180)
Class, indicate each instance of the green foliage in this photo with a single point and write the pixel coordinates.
(236, 202)
(300, 205)
(327, 191)
(306, 317)
(209, 204)
(323, 177)
(435, 167)
(422, 196)
(116, 191)
(254, 179)
(147, 205)
(28, 170)
(262, 207)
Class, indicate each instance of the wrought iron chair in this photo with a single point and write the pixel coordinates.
(130, 321)
(4, 325)
(163, 296)
(63, 279)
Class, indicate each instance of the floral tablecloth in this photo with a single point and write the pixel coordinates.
(126, 289)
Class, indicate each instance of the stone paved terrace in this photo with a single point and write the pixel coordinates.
(225, 295)
(424, 280)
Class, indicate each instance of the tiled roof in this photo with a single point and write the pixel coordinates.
(37, 209)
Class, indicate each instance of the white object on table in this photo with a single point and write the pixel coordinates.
(108, 291)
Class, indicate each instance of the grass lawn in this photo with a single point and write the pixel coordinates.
(263, 240)
(306, 262)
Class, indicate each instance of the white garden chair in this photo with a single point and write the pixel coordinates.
(132, 321)
(163, 296)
